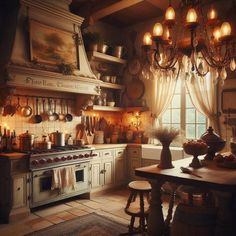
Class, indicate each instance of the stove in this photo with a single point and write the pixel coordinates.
(59, 156)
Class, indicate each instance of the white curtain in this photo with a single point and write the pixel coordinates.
(162, 89)
(203, 92)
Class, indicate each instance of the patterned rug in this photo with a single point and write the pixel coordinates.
(88, 225)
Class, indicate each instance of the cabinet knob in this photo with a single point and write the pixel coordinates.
(18, 189)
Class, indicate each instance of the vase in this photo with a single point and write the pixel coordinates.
(165, 159)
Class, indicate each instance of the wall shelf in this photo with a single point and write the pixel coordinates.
(111, 85)
(105, 57)
(105, 108)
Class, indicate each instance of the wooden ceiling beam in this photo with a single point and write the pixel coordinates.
(113, 8)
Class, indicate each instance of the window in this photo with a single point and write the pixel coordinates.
(182, 114)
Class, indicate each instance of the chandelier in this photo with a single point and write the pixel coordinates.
(194, 42)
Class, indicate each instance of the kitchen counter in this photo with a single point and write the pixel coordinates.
(13, 155)
(107, 146)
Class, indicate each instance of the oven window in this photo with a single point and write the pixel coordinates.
(79, 174)
(45, 183)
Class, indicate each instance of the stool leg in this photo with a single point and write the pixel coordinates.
(142, 215)
(131, 226)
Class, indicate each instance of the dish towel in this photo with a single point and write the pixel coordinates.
(56, 179)
(63, 178)
(68, 177)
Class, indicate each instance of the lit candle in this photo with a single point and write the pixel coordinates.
(166, 34)
(170, 14)
(158, 30)
(147, 39)
(217, 33)
(225, 29)
(212, 14)
(191, 16)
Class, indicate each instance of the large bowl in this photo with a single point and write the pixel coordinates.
(195, 148)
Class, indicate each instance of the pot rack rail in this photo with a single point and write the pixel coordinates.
(43, 97)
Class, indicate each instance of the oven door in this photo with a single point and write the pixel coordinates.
(42, 182)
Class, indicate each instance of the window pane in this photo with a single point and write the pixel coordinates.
(177, 126)
(190, 131)
(166, 117)
(201, 129)
(200, 118)
(190, 115)
(176, 101)
(188, 102)
(175, 116)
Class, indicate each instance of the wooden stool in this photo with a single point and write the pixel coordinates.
(142, 190)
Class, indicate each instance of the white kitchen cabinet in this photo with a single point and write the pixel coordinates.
(134, 155)
(14, 182)
(102, 170)
(20, 190)
(120, 166)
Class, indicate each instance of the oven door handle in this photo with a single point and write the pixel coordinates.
(45, 173)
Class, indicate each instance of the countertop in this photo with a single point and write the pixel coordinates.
(13, 155)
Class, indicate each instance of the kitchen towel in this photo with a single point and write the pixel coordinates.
(63, 178)
(68, 178)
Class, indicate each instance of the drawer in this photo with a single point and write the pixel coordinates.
(134, 152)
(19, 165)
(107, 153)
(96, 154)
(119, 152)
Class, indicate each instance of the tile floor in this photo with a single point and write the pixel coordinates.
(110, 204)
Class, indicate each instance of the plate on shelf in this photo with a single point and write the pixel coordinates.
(135, 89)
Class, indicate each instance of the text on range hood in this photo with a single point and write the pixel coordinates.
(24, 72)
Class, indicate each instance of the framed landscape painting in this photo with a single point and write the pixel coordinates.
(51, 46)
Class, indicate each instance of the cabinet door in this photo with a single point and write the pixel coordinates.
(20, 191)
(108, 172)
(120, 167)
(96, 172)
(133, 164)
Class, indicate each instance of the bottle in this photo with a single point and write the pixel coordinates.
(9, 140)
(70, 140)
(0, 138)
(4, 140)
(13, 140)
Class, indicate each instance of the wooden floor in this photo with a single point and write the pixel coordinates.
(109, 204)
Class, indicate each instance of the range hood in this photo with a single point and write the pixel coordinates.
(51, 16)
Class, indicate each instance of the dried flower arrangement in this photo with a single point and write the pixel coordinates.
(165, 134)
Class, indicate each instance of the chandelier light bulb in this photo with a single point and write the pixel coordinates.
(212, 14)
(223, 74)
(217, 33)
(170, 14)
(158, 30)
(232, 65)
(225, 29)
(147, 39)
(191, 16)
(166, 34)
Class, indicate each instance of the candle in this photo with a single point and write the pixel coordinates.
(191, 16)
(170, 14)
(225, 29)
(217, 33)
(212, 14)
(158, 30)
(147, 39)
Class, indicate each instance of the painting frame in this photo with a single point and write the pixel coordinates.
(51, 46)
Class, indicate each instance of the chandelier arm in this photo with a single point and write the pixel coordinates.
(168, 66)
(212, 62)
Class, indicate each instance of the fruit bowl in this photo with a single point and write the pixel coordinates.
(195, 148)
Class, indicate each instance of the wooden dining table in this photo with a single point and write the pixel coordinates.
(212, 176)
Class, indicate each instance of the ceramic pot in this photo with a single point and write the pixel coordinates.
(214, 141)
(165, 158)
